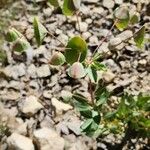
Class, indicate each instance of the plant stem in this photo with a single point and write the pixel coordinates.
(128, 37)
(77, 15)
(56, 38)
(91, 91)
(79, 57)
(103, 40)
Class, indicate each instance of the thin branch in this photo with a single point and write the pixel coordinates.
(103, 40)
(128, 38)
(56, 38)
(77, 15)
(79, 57)
(91, 91)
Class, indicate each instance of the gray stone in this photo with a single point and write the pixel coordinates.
(48, 139)
(19, 142)
(43, 71)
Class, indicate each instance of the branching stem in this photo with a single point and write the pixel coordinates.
(91, 91)
(103, 40)
(56, 38)
(77, 15)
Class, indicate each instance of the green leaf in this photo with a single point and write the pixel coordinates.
(139, 37)
(3, 56)
(143, 102)
(96, 116)
(68, 8)
(76, 70)
(54, 3)
(81, 103)
(76, 48)
(134, 19)
(92, 73)
(122, 24)
(99, 66)
(39, 31)
(21, 45)
(57, 59)
(122, 16)
(101, 95)
(86, 124)
(12, 35)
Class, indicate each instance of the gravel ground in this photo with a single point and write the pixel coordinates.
(31, 91)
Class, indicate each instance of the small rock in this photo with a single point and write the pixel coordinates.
(114, 42)
(118, 1)
(83, 26)
(48, 139)
(86, 35)
(30, 105)
(19, 142)
(108, 3)
(15, 71)
(125, 35)
(60, 106)
(47, 94)
(108, 76)
(32, 71)
(93, 40)
(43, 71)
(47, 12)
(66, 95)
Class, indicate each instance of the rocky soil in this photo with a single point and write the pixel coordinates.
(31, 91)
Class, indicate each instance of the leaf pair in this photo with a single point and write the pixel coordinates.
(20, 43)
(69, 6)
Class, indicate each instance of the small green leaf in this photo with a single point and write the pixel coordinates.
(57, 59)
(134, 19)
(86, 124)
(143, 102)
(99, 66)
(81, 102)
(3, 56)
(122, 24)
(139, 37)
(123, 17)
(102, 96)
(96, 116)
(12, 35)
(39, 31)
(92, 73)
(76, 48)
(76, 71)
(21, 45)
(82, 105)
(68, 8)
(54, 3)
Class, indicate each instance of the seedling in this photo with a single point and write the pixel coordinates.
(97, 115)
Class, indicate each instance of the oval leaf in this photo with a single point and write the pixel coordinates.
(139, 37)
(68, 7)
(134, 19)
(57, 59)
(39, 31)
(76, 71)
(76, 48)
(86, 124)
(21, 45)
(12, 35)
(54, 3)
(123, 18)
